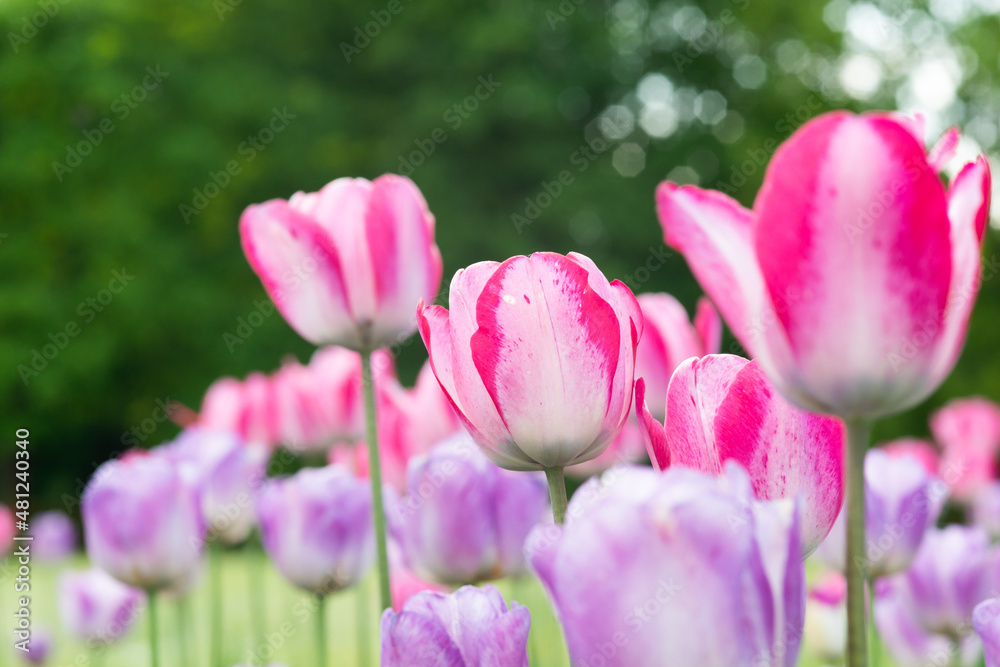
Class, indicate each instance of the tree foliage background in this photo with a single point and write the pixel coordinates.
(618, 95)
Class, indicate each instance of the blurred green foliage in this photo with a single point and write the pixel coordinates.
(156, 97)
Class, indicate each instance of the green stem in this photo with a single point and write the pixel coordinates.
(873, 641)
(154, 639)
(215, 593)
(858, 433)
(375, 472)
(956, 652)
(183, 643)
(557, 492)
(321, 630)
(361, 622)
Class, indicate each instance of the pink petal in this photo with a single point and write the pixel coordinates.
(944, 149)
(921, 451)
(653, 432)
(547, 349)
(708, 324)
(405, 261)
(968, 211)
(715, 234)
(852, 240)
(786, 450)
(300, 269)
(694, 397)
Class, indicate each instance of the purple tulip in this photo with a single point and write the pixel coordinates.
(465, 520)
(95, 607)
(39, 646)
(317, 528)
(954, 570)
(986, 621)
(142, 521)
(54, 536)
(909, 644)
(678, 568)
(228, 472)
(472, 627)
(901, 502)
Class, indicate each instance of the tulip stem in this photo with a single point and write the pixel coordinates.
(258, 610)
(321, 630)
(215, 595)
(557, 492)
(154, 644)
(182, 630)
(375, 474)
(858, 433)
(361, 622)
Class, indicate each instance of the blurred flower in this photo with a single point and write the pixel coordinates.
(954, 570)
(406, 584)
(95, 607)
(463, 519)
(668, 338)
(909, 644)
(228, 473)
(986, 621)
(968, 431)
(825, 633)
(472, 627)
(851, 283)
(537, 356)
(39, 646)
(628, 447)
(142, 521)
(348, 264)
(317, 528)
(650, 566)
(246, 408)
(984, 509)
(921, 451)
(54, 535)
(7, 530)
(899, 508)
(722, 407)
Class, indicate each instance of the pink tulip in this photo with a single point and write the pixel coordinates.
(537, 357)
(825, 633)
(246, 408)
(968, 431)
(348, 264)
(853, 277)
(722, 407)
(669, 338)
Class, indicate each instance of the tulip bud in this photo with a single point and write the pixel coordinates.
(53, 535)
(968, 431)
(317, 528)
(986, 621)
(95, 607)
(39, 646)
(464, 520)
(348, 264)
(537, 356)
(142, 521)
(472, 627)
(650, 566)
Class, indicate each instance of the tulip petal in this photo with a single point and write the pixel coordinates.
(695, 395)
(708, 324)
(944, 149)
(668, 340)
(405, 261)
(300, 269)
(547, 349)
(413, 639)
(715, 234)
(785, 449)
(652, 430)
(854, 253)
(968, 211)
